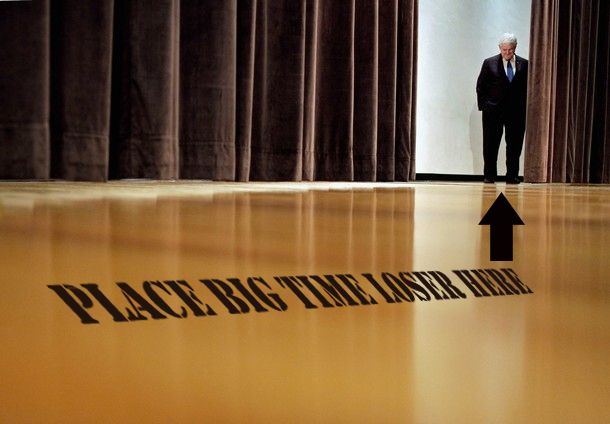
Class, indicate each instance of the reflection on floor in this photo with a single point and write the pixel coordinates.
(297, 302)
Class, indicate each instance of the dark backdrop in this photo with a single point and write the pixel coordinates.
(268, 90)
(569, 97)
(222, 90)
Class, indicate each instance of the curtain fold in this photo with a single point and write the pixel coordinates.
(144, 91)
(208, 68)
(24, 84)
(246, 38)
(568, 98)
(222, 90)
(366, 69)
(406, 90)
(277, 128)
(80, 62)
(334, 101)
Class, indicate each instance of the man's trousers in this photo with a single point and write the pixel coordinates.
(494, 122)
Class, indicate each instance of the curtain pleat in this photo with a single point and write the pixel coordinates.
(208, 63)
(309, 90)
(246, 39)
(81, 61)
(220, 90)
(334, 91)
(386, 105)
(144, 128)
(24, 84)
(277, 130)
(567, 128)
(366, 65)
(406, 91)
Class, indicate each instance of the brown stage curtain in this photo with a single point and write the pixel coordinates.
(569, 96)
(200, 89)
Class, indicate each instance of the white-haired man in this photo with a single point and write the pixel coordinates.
(502, 96)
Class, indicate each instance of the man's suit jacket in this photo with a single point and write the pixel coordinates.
(496, 94)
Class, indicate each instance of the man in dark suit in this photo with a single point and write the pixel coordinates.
(502, 96)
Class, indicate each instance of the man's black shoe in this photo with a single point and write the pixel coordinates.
(512, 181)
(488, 181)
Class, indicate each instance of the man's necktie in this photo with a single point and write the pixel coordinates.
(509, 71)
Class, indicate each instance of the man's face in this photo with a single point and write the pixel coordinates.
(507, 51)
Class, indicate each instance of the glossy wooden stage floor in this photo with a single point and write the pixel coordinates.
(525, 357)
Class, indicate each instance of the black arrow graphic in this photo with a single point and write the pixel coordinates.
(501, 217)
